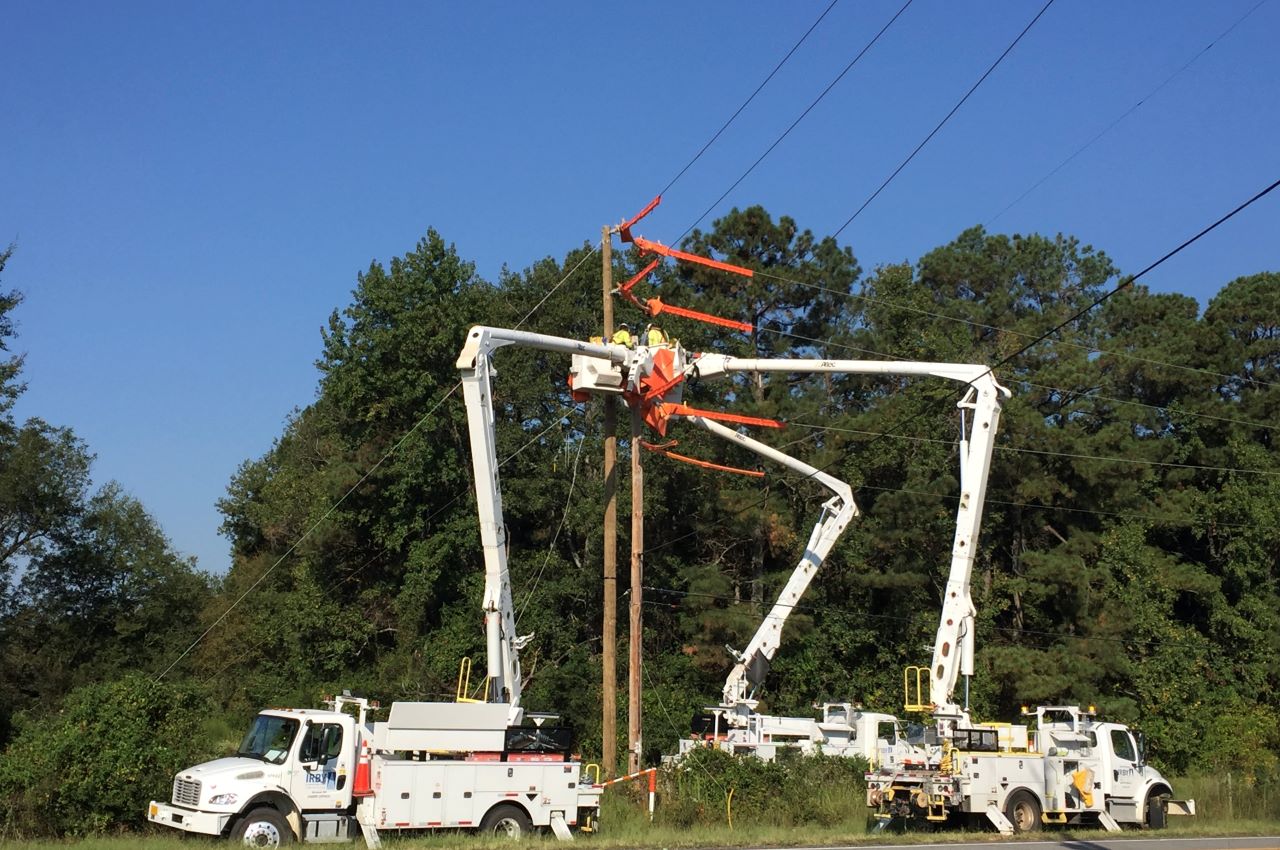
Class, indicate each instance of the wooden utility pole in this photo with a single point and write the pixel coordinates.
(609, 640)
(637, 595)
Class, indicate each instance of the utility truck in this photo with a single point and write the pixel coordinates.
(843, 728)
(487, 764)
(1071, 768)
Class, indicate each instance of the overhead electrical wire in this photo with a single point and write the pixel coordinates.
(870, 615)
(752, 97)
(1082, 393)
(1125, 114)
(917, 439)
(556, 420)
(895, 305)
(1183, 521)
(310, 530)
(1126, 282)
(941, 123)
(333, 507)
(796, 122)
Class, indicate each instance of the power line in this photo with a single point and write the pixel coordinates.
(935, 130)
(446, 506)
(915, 439)
(564, 518)
(894, 618)
(979, 325)
(311, 530)
(807, 110)
(1159, 520)
(1065, 391)
(747, 102)
(1125, 114)
(1123, 284)
(920, 311)
(1080, 393)
(396, 447)
(1171, 412)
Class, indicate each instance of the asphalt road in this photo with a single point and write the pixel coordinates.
(1250, 842)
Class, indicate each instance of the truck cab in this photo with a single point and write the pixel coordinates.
(1133, 791)
(294, 771)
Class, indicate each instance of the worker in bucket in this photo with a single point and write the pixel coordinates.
(655, 335)
(622, 336)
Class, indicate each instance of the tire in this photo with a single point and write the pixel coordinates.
(1157, 811)
(506, 821)
(263, 827)
(1023, 811)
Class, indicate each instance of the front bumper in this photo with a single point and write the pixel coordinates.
(188, 820)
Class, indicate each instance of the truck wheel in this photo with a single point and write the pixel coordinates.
(1157, 811)
(507, 821)
(1023, 811)
(263, 827)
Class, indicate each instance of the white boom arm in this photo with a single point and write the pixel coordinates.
(501, 643)
(753, 662)
(953, 649)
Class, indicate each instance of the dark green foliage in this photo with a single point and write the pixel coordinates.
(708, 786)
(1146, 588)
(94, 763)
(1121, 562)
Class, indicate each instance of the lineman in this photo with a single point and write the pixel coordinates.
(622, 336)
(654, 335)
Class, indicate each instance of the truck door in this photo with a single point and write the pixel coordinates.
(323, 776)
(1125, 777)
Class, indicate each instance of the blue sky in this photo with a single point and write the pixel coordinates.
(193, 188)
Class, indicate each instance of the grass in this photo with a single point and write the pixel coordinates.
(1228, 805)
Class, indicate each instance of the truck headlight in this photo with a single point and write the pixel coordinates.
(222, 800)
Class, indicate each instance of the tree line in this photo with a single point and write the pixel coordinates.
(1128, 555)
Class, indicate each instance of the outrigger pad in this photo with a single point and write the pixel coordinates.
(1001, 822)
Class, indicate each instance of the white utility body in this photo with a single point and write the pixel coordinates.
(328, 775)
(1070, 768)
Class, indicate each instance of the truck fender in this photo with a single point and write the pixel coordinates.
(1014, 789)
(509, 803)
(277, 800)
(1155, 789)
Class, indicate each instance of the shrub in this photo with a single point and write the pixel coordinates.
(94, 764)
(793, 790)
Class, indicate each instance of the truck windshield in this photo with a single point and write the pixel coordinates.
(269, 738)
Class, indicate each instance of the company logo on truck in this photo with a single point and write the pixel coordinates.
(328, 778)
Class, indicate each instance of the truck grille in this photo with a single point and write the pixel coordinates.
(186, 792)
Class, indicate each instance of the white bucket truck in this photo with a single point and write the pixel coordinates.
(326, 775)
(487, 764)
(1070, 769)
